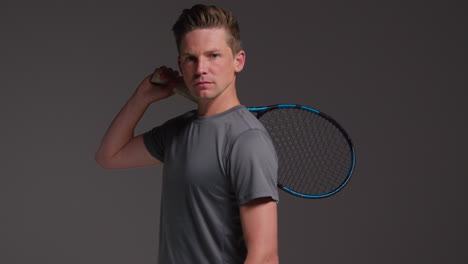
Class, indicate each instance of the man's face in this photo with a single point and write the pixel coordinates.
(207, 63)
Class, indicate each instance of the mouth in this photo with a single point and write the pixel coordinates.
(202, 84)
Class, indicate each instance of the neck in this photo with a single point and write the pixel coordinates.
(223, 102)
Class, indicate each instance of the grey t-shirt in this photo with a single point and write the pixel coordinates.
(212, 165)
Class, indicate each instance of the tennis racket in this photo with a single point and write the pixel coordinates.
(316, 157)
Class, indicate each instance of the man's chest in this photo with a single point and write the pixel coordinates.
(197, 159)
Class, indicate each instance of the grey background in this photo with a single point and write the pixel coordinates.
(393, 73)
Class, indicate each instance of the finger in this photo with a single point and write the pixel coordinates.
(158, 76)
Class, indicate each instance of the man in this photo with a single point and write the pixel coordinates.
(219, 182)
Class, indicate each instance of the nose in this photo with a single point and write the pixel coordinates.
(201, 66)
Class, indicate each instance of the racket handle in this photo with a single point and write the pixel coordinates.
(180, 89)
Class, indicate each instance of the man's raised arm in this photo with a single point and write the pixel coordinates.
(119, 148)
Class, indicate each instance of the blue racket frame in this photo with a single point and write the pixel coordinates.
(259, 111)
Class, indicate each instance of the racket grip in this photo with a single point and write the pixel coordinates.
(180, 89)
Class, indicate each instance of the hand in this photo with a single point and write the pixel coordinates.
(152, 92)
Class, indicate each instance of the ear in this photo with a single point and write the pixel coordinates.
(239, 61)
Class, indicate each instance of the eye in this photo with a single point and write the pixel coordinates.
(190, 58)
(214, 55)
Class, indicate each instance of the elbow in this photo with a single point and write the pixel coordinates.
(103, 162)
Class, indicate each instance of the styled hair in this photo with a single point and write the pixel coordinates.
(203, 16)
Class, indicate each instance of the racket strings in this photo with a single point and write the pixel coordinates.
(313, 154)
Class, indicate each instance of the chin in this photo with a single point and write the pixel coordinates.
(207, 95)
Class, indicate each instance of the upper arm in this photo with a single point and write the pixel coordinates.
(133, 154)
(260, 228)
(252, 167)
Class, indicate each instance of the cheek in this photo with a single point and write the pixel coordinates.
(223, 67)
(186, 70)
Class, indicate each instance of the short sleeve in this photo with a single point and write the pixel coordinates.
(155, 140)
(158, 139)
(253, 166)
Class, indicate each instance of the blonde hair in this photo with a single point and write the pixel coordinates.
(203, 16)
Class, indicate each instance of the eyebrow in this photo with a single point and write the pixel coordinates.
(206, 52)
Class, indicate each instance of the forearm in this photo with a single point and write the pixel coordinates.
(121, 130)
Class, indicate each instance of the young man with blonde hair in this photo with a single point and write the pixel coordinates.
(219, 200)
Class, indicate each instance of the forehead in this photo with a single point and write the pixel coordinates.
(200, 40)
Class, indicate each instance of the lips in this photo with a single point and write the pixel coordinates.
(202, 84)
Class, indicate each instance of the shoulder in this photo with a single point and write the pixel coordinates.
(179, 121)
(252, 142)
(246, 132)
(170, 127)
(242, 120)
(183, 118)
